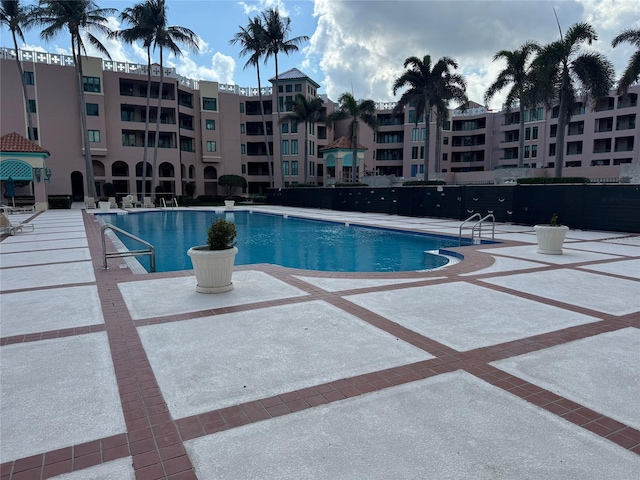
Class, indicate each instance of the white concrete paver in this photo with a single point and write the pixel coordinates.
(612, 248)
(600, 372)
(66, 307)
(453, 426)
(627, 268)
(43, 257)
(37, 236)
(45, 245)
(60, 391)
(46, 275)
(337, 284)
(620, 297)
(465, 316)
(178, 295)
(121, 469)
(528, 252)
(213, 362)
(506, 264)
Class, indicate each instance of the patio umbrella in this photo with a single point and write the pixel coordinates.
(10, 190)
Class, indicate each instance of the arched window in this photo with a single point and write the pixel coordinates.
(166, 170)
(98, 168)
(210, 173)
(192, 171)
(119, 169)
(139, 169)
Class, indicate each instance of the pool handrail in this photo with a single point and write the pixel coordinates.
(151, 251)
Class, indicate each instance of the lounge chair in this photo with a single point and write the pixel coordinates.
(12, 228)
(148, 203)
(89, 202)
(112, 201)
(127, 202)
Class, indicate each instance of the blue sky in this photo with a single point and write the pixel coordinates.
(360, 45)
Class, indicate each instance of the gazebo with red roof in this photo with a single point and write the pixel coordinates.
(24, 161)
(338, 160)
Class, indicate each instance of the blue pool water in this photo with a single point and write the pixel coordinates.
(289, 242)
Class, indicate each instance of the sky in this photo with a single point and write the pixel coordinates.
(359, 46)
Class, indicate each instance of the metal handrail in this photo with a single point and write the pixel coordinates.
(479, 225)
(462, 225)
(151, 251)
(174, 203)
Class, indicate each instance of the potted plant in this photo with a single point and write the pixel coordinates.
(213, 263)
(230, 183)
(551, 237)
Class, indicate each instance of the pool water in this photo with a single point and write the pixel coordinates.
(286, 241)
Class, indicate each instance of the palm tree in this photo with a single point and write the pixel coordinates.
(140, 29)
(17, 17)
(452, 89)
(252, 40)
(355, 112)
(425, 89)
(632, 73)
(276, 31)
(78, 17)
(561, 71)
(308, 111)
(517, 74)
(164, 37)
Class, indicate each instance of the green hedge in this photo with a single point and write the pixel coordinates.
(302, 185)
(547, 180)
(59, 201)
(351, 185)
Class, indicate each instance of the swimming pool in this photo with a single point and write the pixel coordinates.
(286, 241)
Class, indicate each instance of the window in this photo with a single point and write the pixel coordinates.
(445, 157)
(35, 135)
(244, 169)
(92, 109)
(288, 88)
(552, 149)
(412, 116)
(534, 151)
(285, 168)
(242, 128)
(414, 170)
(211, 146)
(32, 106)
(241, 107)
(243, 149)
(294, 147)
(209, 103)
(445, 140)
(29, 78)
(527, 133)
(294, 127)
(94, 136)
(534, 133)
(280, 89)
(285, 127)
(414, 134)
(414, 154)
(128, 139)
(298, 87)
(91, 84)
(210, 124)
(285, 147)
(527, 152)
(312, 149)
(289, 102)
(553, 131)
(294, 168)
(424, 134)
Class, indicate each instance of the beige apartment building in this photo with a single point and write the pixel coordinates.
(209, 129)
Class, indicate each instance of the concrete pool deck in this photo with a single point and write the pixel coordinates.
(510, 364)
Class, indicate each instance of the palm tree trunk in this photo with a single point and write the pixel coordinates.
(88, 164)
(145, 153)
(264, 128)
(438, 142)
(562, 123)
(306, 153)
(154, 174)
(427, 140)
(279, 131)
(521, 138)
(30, 133)
(354, 146)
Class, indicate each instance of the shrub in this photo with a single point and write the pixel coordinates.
(221, 235)
(190, 188)
(547, 180)
(415, 183)
(109, 190)
(351, 185)
(59, 201)
(302, 185)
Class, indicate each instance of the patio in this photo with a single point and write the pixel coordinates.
(510, 364)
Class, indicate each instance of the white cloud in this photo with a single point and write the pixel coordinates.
(253, 8)
(362, 45)
(221, 69)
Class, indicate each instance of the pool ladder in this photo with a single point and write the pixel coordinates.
(478, 226)
(150, 250)
(172, 204)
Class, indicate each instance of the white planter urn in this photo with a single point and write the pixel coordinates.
(104, 205)
(213, 268)
(229, 204)
(550, 238)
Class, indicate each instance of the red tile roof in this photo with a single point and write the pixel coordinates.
(344, 143)
(16, 143)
